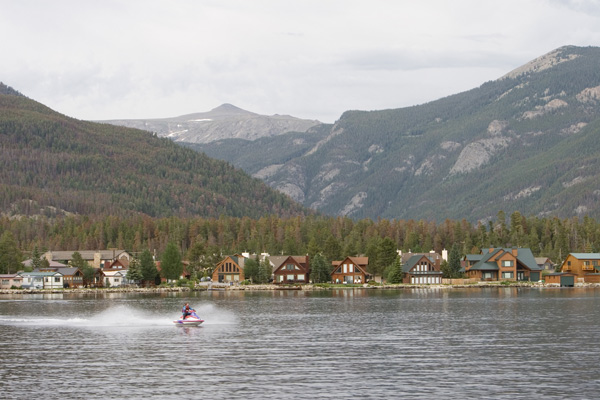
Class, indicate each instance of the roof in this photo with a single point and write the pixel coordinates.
(364, 261)
(415, 259)
(407, 256)
(86, 254)
(300, 260)
(114, 273)
(586, 256)
(489, 259)
(39, 274)
(10, 276)
(52, 264)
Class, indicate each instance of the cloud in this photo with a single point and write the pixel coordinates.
(311, 59)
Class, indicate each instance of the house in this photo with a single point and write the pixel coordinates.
(422, 269)
(96, 258)
(545, 263)
(585, 266)
(230, 269)
(8, 281)
(507, 264)
(113, 278)
(72, 276)
(351, 270)
(42, 280)
(293, 269)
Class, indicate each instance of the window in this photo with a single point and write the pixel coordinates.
(507, 275)
(345, 268)
(290, 277)
(5, 281)
(507, 263)
(350, 268)
(56, 279)
(289, 267)
(300, 278)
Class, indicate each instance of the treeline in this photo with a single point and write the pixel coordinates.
(334, 237)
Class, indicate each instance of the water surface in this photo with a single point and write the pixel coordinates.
(499, 343)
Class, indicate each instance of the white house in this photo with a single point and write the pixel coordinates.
(42, 280)
(113, 278)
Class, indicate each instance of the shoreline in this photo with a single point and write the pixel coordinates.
(309, 287)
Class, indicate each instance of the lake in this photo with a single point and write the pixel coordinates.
(476, 343)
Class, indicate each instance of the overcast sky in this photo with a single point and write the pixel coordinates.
(111, 59)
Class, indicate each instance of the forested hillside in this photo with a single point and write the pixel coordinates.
(52, 164)
(528, 142)
(335, 237)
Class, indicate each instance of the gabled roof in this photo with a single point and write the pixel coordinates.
(586, 256)
(415, 259)
(300, 260)
(490, 257)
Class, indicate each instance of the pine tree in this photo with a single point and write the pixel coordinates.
(148, 266)
(10, 255)
(134, 272)
(396, 273)
(171, 266)
(320, 272)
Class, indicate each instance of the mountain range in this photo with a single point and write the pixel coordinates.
(224, 122)
(528, 141)
(51, 164)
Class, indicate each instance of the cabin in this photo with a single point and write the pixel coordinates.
(585, 266)
(351, 270)
(230, 269)
(8, 281)
(422, 269)
(506, 264)
(292, 269)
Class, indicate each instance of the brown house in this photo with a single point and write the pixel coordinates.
(350, 270)
(293, 269)
(422, 269)
(231, 269)
(506, 264)
(585, 266)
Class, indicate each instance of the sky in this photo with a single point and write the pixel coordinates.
(138, 59)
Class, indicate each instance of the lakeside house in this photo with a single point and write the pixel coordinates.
(422, 269)
(584, 266)
(545, 263)
(351, 270)
(507, 264)
(8, 281)
(292, 269)
(42, 280)
(96, 258)
(230, 269)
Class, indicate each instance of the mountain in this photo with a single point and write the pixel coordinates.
(528, 142)
(51, 164)
(223, 122)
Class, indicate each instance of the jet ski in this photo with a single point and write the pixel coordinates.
(191, 320)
